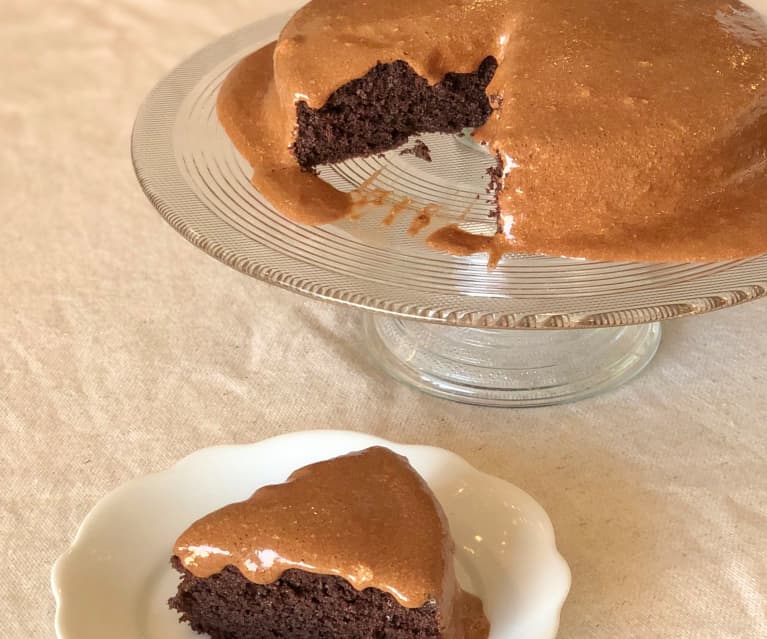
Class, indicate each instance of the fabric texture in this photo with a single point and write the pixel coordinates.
(123, 348)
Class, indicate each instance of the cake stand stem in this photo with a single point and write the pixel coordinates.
(510, 368)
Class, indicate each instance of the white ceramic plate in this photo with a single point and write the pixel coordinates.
(115, 579)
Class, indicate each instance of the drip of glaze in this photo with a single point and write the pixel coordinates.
(396, 209)
(455, 240)
(422, 219)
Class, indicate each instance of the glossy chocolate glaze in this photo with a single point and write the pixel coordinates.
(627, 130)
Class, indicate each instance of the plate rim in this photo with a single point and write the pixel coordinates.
(352, 440)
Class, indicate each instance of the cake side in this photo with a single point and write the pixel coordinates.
(299, 605)
(380, 110)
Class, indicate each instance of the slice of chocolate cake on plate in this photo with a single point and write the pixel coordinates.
(353, 547)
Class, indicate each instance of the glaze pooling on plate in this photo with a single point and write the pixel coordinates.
(626, 130)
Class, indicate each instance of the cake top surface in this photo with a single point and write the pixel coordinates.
(329, 42)
(367, 517)
(626, 129)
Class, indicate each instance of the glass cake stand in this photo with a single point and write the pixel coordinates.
(533, 331)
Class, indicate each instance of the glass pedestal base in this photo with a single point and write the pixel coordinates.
(510, 368)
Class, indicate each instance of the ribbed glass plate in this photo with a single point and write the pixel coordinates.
(199, 183)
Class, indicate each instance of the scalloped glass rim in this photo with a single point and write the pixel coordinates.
(199, 184)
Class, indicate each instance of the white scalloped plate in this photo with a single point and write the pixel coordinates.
(115, 579)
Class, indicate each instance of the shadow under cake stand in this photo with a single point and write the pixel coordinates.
(533, 331)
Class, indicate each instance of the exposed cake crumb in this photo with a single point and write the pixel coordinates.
(419, 150)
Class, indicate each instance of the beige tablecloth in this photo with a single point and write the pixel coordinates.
(123, 348)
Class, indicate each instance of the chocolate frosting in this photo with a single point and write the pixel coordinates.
(367, 517)
(627, 130)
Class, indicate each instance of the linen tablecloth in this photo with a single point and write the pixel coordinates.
(123, 348)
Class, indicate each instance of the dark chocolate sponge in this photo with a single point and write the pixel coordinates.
(380, 110)
(299, 605)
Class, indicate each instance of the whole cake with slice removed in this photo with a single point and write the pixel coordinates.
(353, 547)
(622, 130)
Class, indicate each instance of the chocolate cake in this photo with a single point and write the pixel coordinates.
(385, 107)
(352, 547)
(622, 130)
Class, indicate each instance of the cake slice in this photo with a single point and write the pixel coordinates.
(353, 547)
